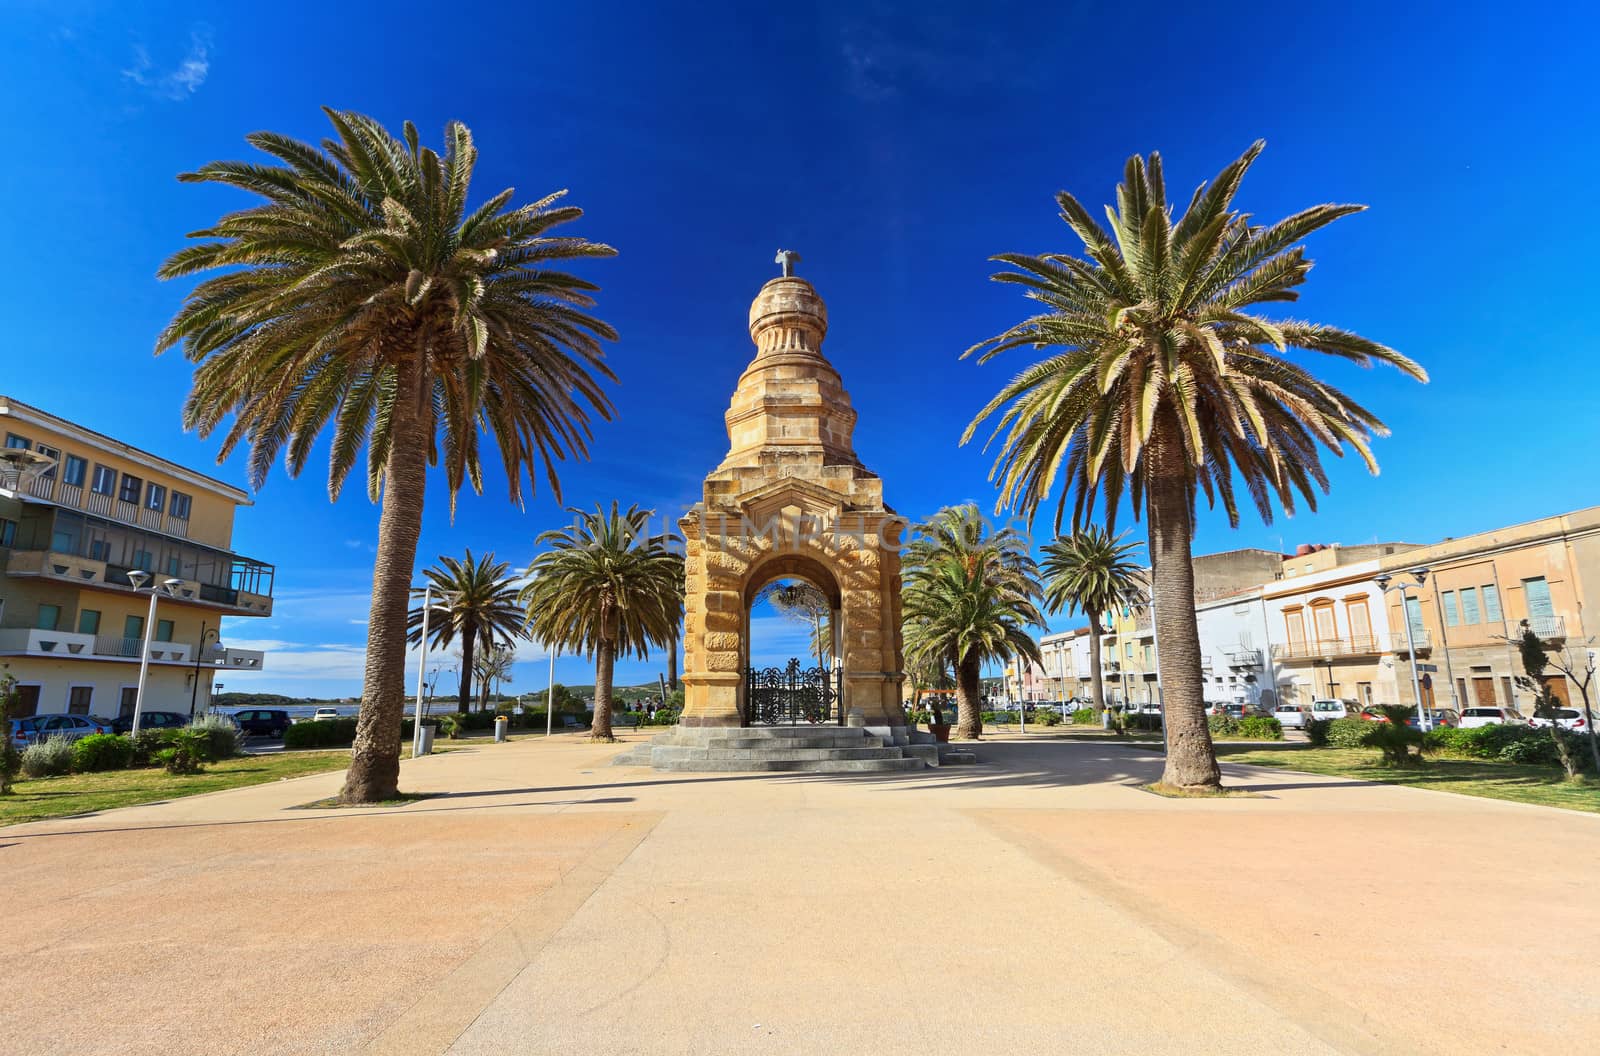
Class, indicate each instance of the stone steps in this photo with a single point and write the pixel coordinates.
(812, 749)
(810, 766)
(677, 753)
(786, 743)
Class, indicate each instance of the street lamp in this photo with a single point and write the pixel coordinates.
(1383, 580)
(170, 588)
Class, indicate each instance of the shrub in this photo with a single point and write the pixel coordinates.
(221, 736)
(1142, 721)
(1222, 725)
(1261, 728)
(324, 733)
(1045, 717)
(1085, 717)
(145, 746)
(51, 757)
(102, 751)
(664, 717)
(1350, 733)
(185, 752)
(453, 725)
(1317, 731)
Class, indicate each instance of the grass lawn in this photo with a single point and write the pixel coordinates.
(53, 797)
(1541, 785)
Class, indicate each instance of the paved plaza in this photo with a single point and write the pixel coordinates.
(546, 902)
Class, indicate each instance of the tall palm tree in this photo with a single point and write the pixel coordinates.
(475, 600)
(1089, 571)
(970, 596)
(362, 294)
(605, 586)
(1162, 385)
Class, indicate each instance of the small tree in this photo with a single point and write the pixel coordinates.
(10, 759)
(1395, 738)
(1534, 663)
(493, 668)
(1580, 675)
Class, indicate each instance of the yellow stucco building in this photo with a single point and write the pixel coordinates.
(81, 517)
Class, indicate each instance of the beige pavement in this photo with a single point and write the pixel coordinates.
(545, 902)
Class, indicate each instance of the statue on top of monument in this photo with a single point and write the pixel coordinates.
(788, 258)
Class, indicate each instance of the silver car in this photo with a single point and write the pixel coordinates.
(36, 728)
(1292, 716)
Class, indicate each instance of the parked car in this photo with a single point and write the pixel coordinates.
(1438, 718)
(261, 722)
(1232, 711)
(36, 728)
(1569, 718)
(1331, 708)
(1474, 717)
(324, 713)
(150, 720)
(1292, 716)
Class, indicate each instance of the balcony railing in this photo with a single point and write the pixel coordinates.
(1243, 657)
(128, 648)
(1546, 627)
(49, 643)
(95, 502)
(1368, 645)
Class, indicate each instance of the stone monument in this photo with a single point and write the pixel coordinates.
(792, 501)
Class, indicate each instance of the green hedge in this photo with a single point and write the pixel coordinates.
(102, 751)
(1251, 727)
(1085, 717)
(324, 733)
(1317, 731)
(1508, 743)
(1350, 733)
(1045, 717)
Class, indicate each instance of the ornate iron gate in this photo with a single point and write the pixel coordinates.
(792, 695)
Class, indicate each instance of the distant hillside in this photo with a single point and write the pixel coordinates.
(278, 700)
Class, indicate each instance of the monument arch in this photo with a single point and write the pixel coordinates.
(792, 500)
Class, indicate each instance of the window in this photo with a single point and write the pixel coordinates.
(1414, 618)
(1327, 628)
(49, 617)
(174, 563)
(8, 532)
(1360, 620)
(163, 630)
(89, 621)
(1149, 655)
(75, 471)
(180, 506)
(100, 550)
(155, 498)
(18, 443)
(1296, 623)
(105, 481)
(61, 542)
(1537, 594)
(144, 559)
(54, 455)
(1491, 603)
(131, 487)
(1451, 615)
(1469, 605)
(133, 627)
(78, 698)
(1127, 651)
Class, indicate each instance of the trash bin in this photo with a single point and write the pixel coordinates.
(425, 740)
(501, 725)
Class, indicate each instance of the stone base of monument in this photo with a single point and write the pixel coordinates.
(804, 749)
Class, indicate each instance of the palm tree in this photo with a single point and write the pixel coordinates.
(1089, 571)
(362, 293)
(806, 605)
(475, 600)
(969, 598)
(605, 586)
(1161, 385)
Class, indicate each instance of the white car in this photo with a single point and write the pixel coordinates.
(325, 713)
(1569, 718)
(1291, 716)
(1474, 717)
(1329, 708)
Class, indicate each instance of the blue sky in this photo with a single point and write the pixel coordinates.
(897, 147)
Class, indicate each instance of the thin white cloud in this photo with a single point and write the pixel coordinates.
(182, 80)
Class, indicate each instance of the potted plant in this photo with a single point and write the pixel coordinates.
(936, 725)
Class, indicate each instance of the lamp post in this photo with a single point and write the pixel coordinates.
(422, 673)
(169, 587)
(1421, 576)
(214, 635)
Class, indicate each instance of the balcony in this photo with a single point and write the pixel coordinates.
(117, 647)
(1243, 657)
(1338, 648)
(1548, 628)
(85, 571)
(30, 641)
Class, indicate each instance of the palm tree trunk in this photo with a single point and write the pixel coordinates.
(1191, 759)
(605, 657)
(672, 660)
(1097, 685)
(969, 699)
(374, 773)
(464, 695)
